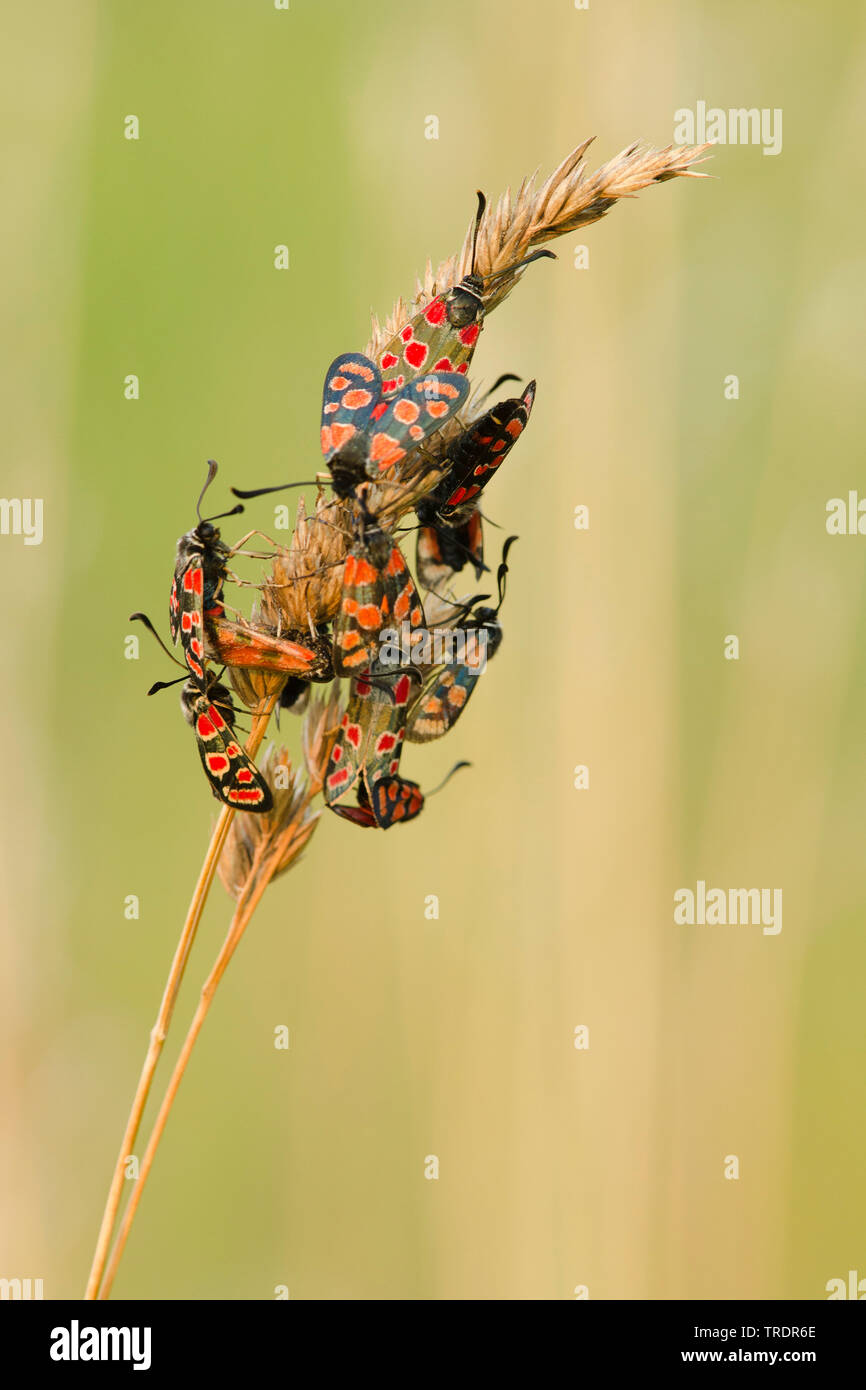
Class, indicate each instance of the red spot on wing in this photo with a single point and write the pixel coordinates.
(360, 658)
(403, 602)
(388, 360)
(416, 354)
(358, 369)
(242, 796)
(435, 311)
(469, 335)
(369, 616)
(363, 573)
(385, 449)
(435, 385)
(340, 434)
(357, 399)
(406, 412)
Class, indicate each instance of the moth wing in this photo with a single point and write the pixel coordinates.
(483, 447)
(443, 698)
(372, 599)
(186, 615)
(428, 342)
(346, 760)
(233, 776)
(404, 420)
(353, 387)
(394, 799)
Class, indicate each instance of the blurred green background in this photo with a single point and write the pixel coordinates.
(454, 1037)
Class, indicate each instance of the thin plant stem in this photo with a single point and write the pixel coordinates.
(159, 1031)
(244, 911)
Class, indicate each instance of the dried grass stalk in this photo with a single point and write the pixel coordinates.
(303, 591)
(570, 198)
(305, 583)
(259, 848)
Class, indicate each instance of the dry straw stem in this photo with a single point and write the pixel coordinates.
(166, 1009)
(303, 591)
(569, 199)
(258, 850)
(305, 584)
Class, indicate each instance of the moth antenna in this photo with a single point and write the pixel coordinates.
(212, 467)
(482, 204)
(518, 265)
(261, 491)
(503, 570)
(381, 679)
(164, 685)
(235, 511)
(446, 778)
(500, 381)
(466, 607)
(143, 618)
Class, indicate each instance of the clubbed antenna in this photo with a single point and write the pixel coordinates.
(212, 467)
